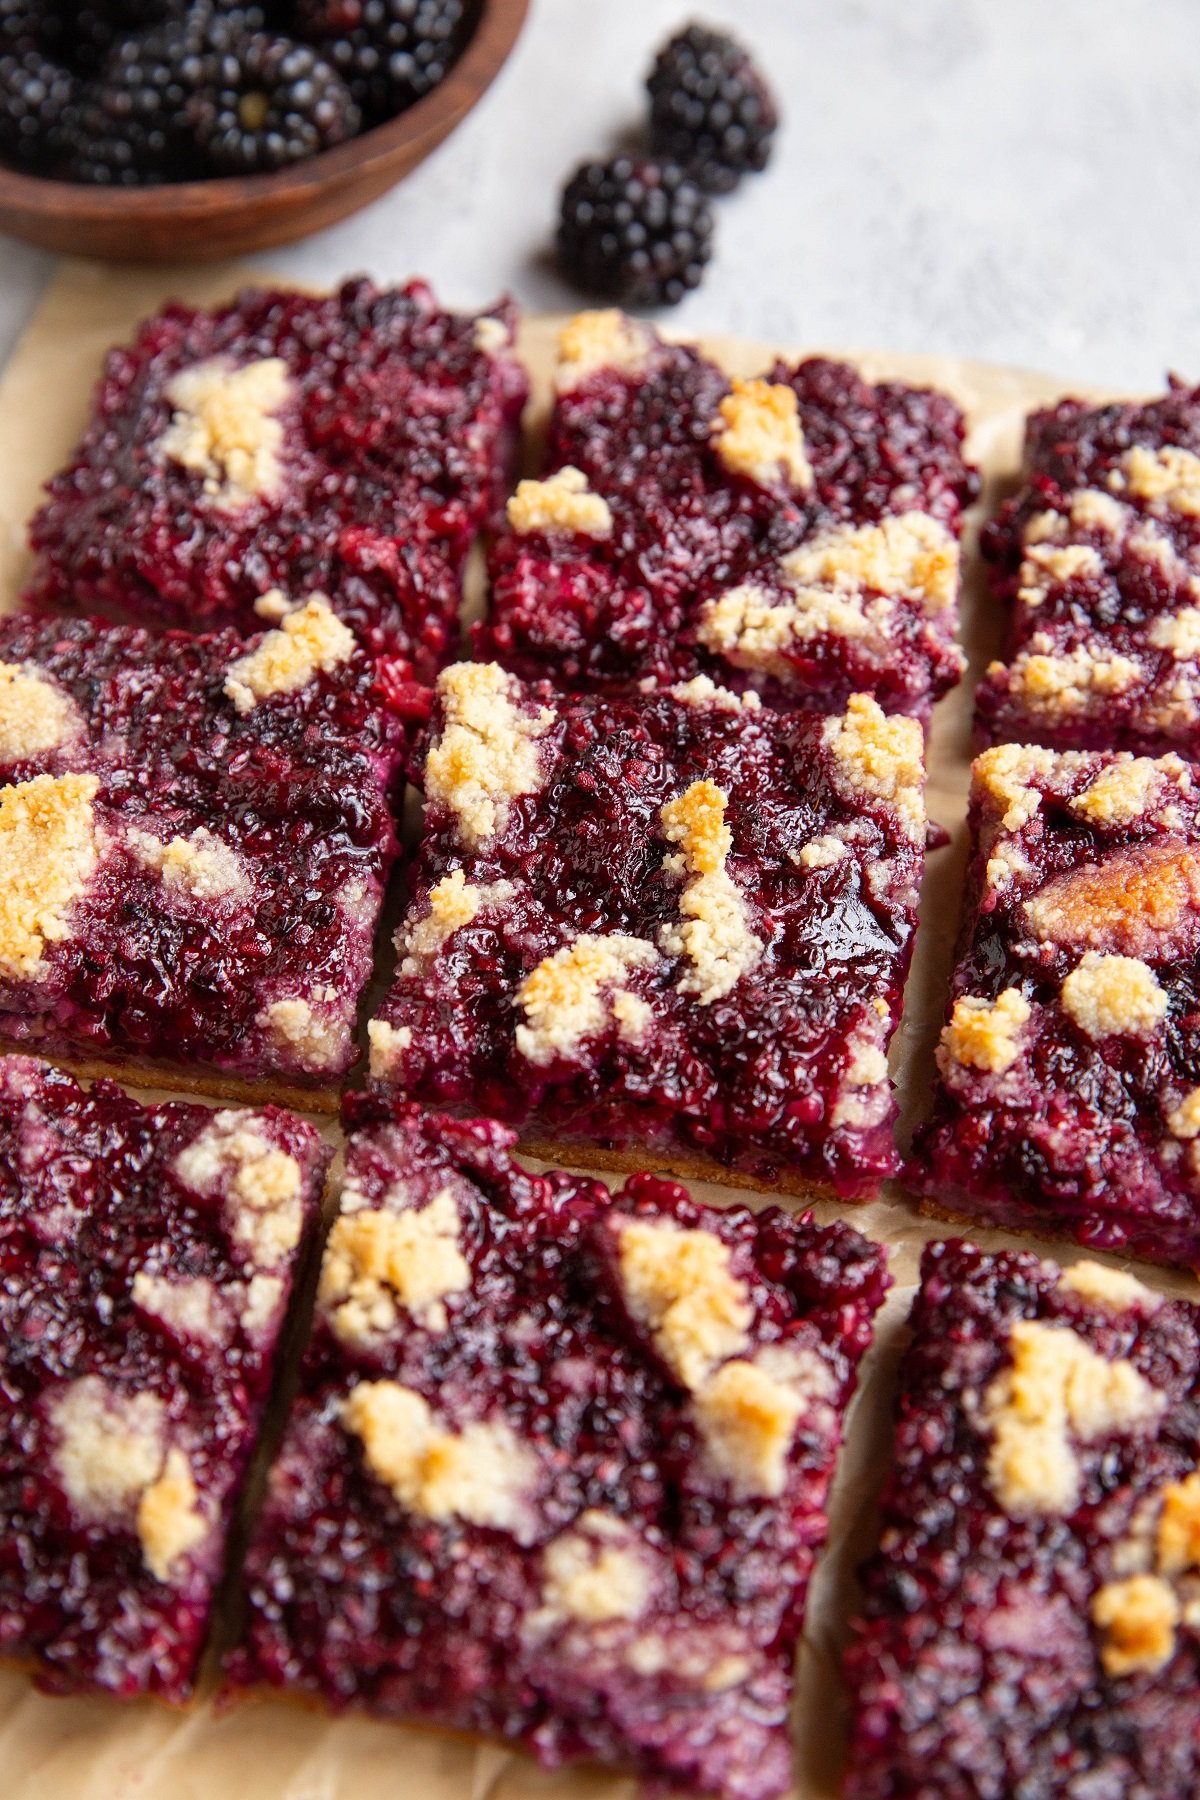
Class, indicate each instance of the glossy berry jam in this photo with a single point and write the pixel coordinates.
(1097, 561)
(365, 448)
(193, 865)
(147, 1255)
(565, 1559)
(1069, 1097)
(688, 933)
(1055, 1652)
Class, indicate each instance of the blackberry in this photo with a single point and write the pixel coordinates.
(24, 25)
(635, 231)
(270, 102)
(389, 52)
(130, 127)
(92, 28)
(710, 109)
(36, 96)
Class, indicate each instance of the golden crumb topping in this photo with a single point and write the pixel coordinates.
(35, 714)
(49, 851)
(169, 1519)
(1183, 1121)
(386, 1046)
(569, 996)
(225, 427)
(264, 1184)
(748, 1411)
(681, 1284)
(486, 755)
(110, 1445)
(190, 1304)
(375, 1261)
(1121, 792)
(702, 690)
(1093, 510)
(482, 1473)
(1113, 1289)
(605, 339)
(310, 640)
(1133, 902)
(200, 865)
(881, 756)
(1178, 1538)
(758, 434)
(714, 934)
(911, 556)
(1137, 1619)
(1169, 478)
(320, 1040)
(453, 903)
(1005, 776)
(987, 1034)
(563, 502)
(490, 336)
(1045, 565)
(1056, 1387)
(1178, 632)
(593, 1574)
(1112, 995)
(1050, 685)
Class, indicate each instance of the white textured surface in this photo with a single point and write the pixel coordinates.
(1007, 179)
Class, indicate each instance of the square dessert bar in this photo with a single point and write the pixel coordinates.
(352, 444)
(673, 924)
(194, 838)
(1098, 561)
(558, 1464)
(147, 1254)
(1069, 1098)
(1031, 1621)
(797, 535)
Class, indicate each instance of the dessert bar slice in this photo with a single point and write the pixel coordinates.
(672, 924)
(558, 1464)
(194, 837)
(1098, 560)
(1031, 1622)
(796, 535)
(1069, 1098)
(352, 444)
(148, 1254)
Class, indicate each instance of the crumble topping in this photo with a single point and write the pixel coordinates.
(1133, 901)
(714, 936)
(1121, 792)
(681, 1284)
(987, 1034)
(702, 690)
(189, 1305)
(1044, 565)
(821, 853)
(386, 1045)
(1051, 684)
(563, 998)
(1094, 510)
(264, 1183)
(1006, 773)
(453, 903)
(605, 339)
(592, 1574)
(881, 756)
(169, 1520)
(563, 502)
(867, 1094)
(110, 1445)
(1184, 1120)
(911, 555)
(1178, 632)
(758, 434)
(490, 336)
(310, 639)
(1178, 1539)
(321, 1043)
(260, 1298)
(1108, 995)
(199, 864)
(49, 850)
(374, 1259)
(1113, 1289)
(482, 1473)
(1137, 1619)
(748, 1411)
(487, 753)
(1056, 1385)
(1168, 477)
(225, 427)
(35, 714)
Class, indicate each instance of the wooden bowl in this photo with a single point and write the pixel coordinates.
(195, 221)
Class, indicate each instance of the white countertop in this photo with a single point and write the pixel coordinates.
(1009, 179)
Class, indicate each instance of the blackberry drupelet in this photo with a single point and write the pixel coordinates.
(130, 127)
(36, 96)
(271, 102)
(710, 109)
(389, 52)
(634, 231)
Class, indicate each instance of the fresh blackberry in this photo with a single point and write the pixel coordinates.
(389, 52)
(24, 25)
(271, 102)
(634, 231)
(92, 28)
(710, 109)
(130, 126)
(36, 97)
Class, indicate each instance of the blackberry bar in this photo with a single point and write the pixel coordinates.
(672, 924)
(351, 444)
(1031, 1622)
(1098, 561)
(148, 1255)
(1069, 1097)
(558, 1464)
(795, 535)
(194, 838)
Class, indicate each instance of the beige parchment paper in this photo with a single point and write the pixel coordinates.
(276, 1750)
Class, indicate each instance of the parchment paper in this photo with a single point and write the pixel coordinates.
(276, 1750)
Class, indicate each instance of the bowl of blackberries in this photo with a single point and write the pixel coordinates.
(157, 130)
